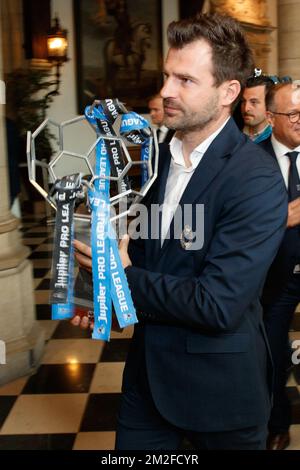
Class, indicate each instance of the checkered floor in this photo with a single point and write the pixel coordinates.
(71, 402)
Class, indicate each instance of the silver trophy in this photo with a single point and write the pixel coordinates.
(67, 161)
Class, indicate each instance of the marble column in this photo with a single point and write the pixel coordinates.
(289, 38)
(19, 331)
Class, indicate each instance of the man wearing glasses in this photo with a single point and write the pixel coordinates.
(282, 288)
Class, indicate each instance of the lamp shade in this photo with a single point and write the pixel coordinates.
(57, 43)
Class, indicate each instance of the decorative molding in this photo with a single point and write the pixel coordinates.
(8, 224)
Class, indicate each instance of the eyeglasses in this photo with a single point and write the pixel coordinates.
(293, 117)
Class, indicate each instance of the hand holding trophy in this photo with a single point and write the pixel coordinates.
(90, 177)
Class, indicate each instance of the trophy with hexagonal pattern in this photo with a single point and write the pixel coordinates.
(77, 174)
(68, 160)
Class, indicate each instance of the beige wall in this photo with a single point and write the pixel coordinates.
(289, 38)
(170, 12)
(12, 34)
(273, 54)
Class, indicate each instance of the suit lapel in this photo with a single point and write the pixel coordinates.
(268, 147)
(164, 165)
(163, 171)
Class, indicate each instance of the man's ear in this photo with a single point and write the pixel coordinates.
(230, 90)
(270, 118)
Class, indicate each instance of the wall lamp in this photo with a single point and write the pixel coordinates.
(57, 46)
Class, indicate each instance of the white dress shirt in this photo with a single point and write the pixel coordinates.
(283, 160)
(163, 130)
(179, 176)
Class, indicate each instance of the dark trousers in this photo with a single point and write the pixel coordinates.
(141, 427)
(278, 316)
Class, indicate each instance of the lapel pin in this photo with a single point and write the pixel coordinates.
(187, 237)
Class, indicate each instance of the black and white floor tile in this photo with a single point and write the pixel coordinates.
(71, 401)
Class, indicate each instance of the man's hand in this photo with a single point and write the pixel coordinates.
(83, 255)
(83, 321)
(294, 213)
(123, 251)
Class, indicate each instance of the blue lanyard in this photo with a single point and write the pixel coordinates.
(62, 280)
(100, 244)
(109, 280)
(137, 131)
(64, 311)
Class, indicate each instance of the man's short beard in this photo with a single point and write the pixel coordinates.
(194, 121)
(187, 124)
(256, 123)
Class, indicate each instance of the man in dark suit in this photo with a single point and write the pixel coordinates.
(156, 111)
(282, 289)
(199, 365)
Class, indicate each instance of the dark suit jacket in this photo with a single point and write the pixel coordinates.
(288, 254)
(201, 336)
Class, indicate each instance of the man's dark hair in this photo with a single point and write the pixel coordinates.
(231, 54)
(154, 97)
(270, 96)
(258, 81)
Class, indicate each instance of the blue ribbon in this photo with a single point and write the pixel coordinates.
(66, 189)
(109, 280)
(122, 300)
(66, 311)
(101, 265)
(130, 124)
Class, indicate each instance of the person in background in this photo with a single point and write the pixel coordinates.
(156, 111)
(281, 292)
(253, 108)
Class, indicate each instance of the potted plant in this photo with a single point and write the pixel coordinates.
(28, 99)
